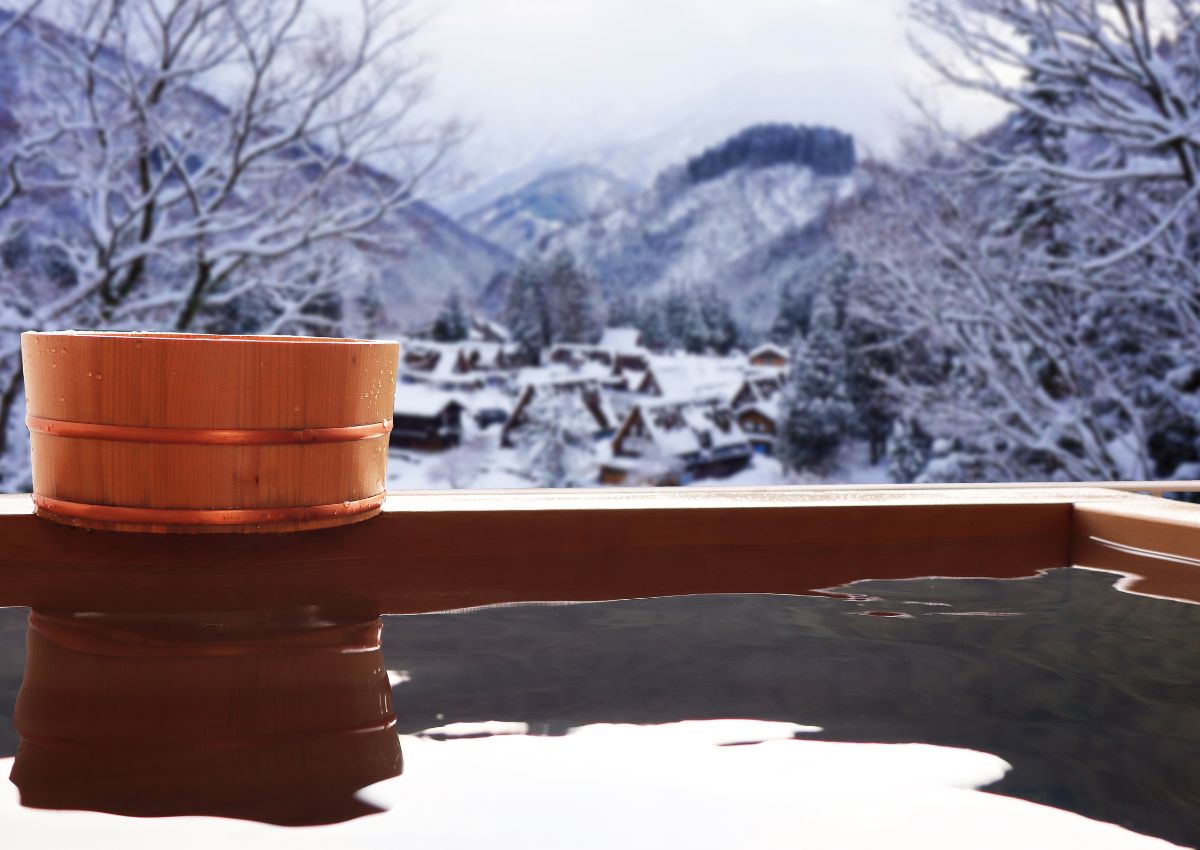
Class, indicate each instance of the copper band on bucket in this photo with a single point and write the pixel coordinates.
(219, 516)
(207, 436)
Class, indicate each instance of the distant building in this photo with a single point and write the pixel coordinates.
(618, 348)
(425, 418)
(485, 330)
(760, 423)
(479, 329)
(621, 339)
(459, 366)
(682, 379)
(676, 444)
(576, 354)
(759, 386)
(769, 354)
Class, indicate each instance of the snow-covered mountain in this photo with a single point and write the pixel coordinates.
(428, 255)
(742, 217)
(561, 198)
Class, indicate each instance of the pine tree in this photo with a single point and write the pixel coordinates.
(722, 330)
(693, 336)
(653, 325)
(817, 413)
(452, 323)
(572, 302)
(679, 319)
(623, 311)
(525, 309)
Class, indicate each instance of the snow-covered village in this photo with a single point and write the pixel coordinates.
(479, 413)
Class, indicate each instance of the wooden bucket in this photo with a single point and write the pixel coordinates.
(194, 433)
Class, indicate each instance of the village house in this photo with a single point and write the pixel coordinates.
(459, 366)
(684, 379)
(758, 386)
(576, 354)
(770, 354)
(479, 329)
(759, 421)
(668, 444)
(619, 348)
(485, 330)
(425, 418)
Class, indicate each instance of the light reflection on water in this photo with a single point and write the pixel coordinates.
(1089, 694)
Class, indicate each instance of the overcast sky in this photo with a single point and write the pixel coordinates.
(542, 76)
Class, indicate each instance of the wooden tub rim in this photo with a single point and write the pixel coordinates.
(167, 336)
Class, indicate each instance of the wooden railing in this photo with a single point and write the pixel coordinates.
(443, 550)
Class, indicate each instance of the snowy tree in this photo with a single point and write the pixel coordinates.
(452, 323)
(816, 412)
(1111, 90)
(623, 311)
(1035, 287)
(653, 325)
(908, 451)
(573, 302)
(983, 350)
(555, 440)
(202, 165)
(721, 330)
(552, 300)
(823, 271)
(526, 312)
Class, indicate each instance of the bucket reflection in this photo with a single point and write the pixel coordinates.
(276, 716)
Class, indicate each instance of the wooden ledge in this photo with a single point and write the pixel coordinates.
(699, 498)
(1155, 543)
(439, 550)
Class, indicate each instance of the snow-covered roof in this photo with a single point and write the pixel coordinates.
(487, 398)
(421, 400)
(570, 401)
(689, 429)
(482, 325)
(761, 373)
(769, 348)
(687, 378)
(557, 373)
(769, 408)
(448, 354)
(621, 339)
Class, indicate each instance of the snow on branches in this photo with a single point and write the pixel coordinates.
(208, 165)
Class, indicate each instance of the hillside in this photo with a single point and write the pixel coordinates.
(742, 217)
(561, 198)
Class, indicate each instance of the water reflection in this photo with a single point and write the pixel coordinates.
(272, 716)
(1090, 695)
